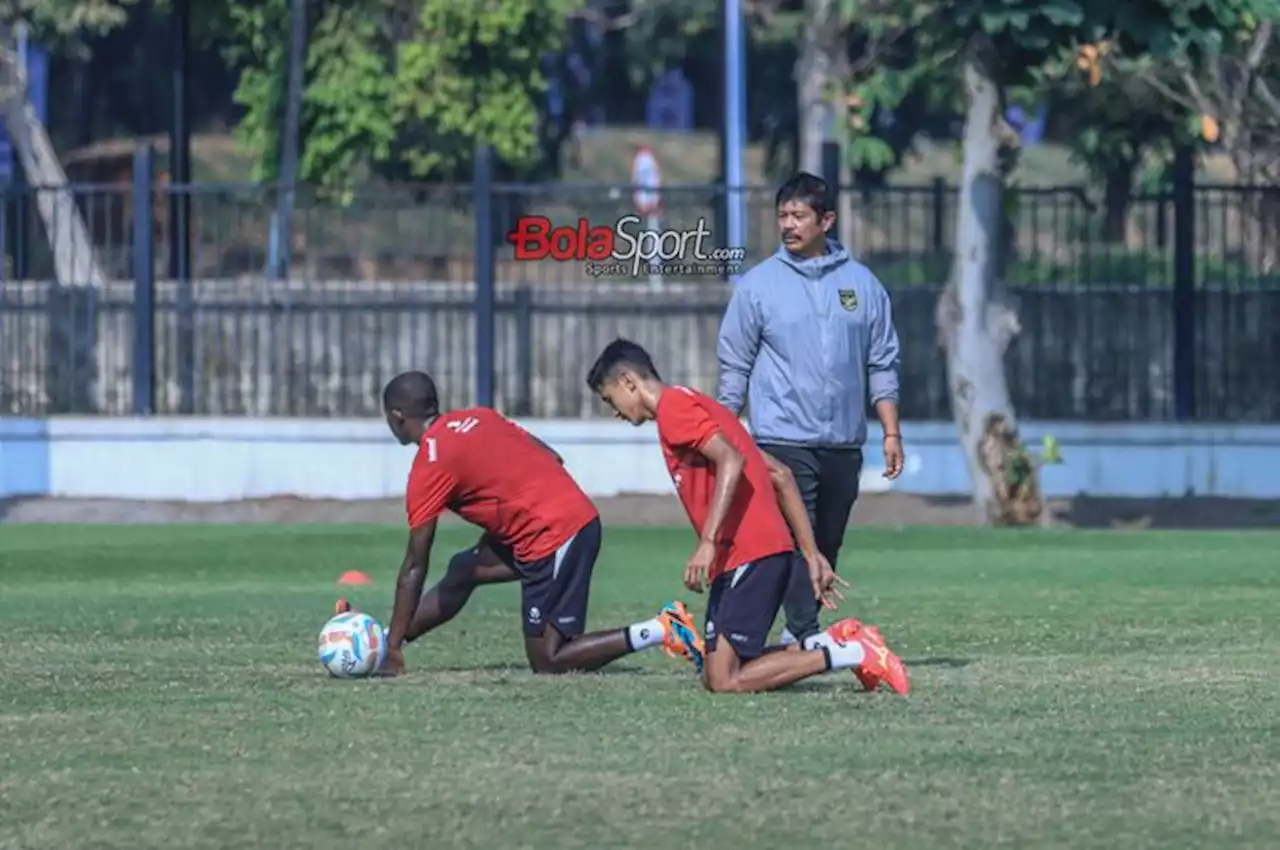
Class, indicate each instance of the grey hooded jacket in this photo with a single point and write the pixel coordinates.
(809, 342)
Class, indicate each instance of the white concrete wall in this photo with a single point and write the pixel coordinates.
(208, 460)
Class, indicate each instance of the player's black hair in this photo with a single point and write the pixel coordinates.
(809, 189)
(616, 355)
(413, 394)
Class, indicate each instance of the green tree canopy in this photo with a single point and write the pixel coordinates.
(398, 90)
(65, 24)
(65, 17)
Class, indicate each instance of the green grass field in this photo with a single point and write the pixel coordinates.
(160, 689)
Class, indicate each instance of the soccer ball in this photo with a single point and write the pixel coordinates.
(352, 645)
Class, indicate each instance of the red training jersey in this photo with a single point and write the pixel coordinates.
(491, 472)
(754, 527)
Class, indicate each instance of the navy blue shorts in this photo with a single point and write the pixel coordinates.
(555, 589)
(744, 601)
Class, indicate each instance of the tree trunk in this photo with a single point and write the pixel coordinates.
(975, 326)
(74, 260)
(815, 69)
(1117, 196)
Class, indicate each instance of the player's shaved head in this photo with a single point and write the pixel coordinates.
(410, 402)
(619, 355)
(413, 394)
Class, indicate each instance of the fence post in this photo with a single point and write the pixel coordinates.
(523, 309)
(144, 283)
(831, 173)
(938, 226)
(482, 201)
(1184, 284)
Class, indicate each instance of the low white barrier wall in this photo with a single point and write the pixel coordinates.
(214, 460)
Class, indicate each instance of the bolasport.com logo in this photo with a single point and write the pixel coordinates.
(625, 248)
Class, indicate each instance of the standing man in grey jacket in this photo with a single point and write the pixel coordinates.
(807, 342)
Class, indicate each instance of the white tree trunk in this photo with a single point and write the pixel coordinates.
(815, 69)
(73, 254)
(975, 326)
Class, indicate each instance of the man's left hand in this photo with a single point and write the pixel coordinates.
(892, 456)
(824, 580)
(393, 665)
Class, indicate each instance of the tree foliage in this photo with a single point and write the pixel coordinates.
(1113, 127)
(397, 89)
(1058, 46)
(65, 17)
(657, 33)
(1225, 86)
(65, 24)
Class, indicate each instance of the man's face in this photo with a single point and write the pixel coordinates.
(399, 427)
(622, 393)
(803, 231)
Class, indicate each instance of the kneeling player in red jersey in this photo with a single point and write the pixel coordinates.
(731, 490)
(540, 530)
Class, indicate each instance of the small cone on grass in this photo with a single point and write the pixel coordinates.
(355, 578)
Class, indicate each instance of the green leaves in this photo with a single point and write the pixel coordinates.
(474, 72)
(65, 17)
(346, 120)
(661, 33)
(1061, 13)
(1078, 51)
(870, 152)
(398, 90)
(64, 24)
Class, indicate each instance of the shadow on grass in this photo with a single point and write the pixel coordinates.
(1190, 513)
(7, 506)
(825, 683)
(514, 668)
(938, 661)
(1185, 513)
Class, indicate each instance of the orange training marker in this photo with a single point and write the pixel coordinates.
(354, 577)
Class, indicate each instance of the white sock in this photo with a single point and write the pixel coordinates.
(841, 655)
(644, 635)
(786, 638)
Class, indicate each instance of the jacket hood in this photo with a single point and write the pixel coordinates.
(815, 267)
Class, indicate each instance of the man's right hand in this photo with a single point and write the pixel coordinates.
(699, 566)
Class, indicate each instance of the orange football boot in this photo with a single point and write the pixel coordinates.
(879, 663)
(846, 631)
(680, 634)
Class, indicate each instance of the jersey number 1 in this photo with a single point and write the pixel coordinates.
(431, 449)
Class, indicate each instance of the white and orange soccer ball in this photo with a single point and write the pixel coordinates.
(353, 645)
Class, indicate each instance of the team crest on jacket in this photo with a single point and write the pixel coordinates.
(849, 299)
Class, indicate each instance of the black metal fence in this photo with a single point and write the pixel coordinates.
(1162, 308)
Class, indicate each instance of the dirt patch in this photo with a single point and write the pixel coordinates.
(890, 509)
